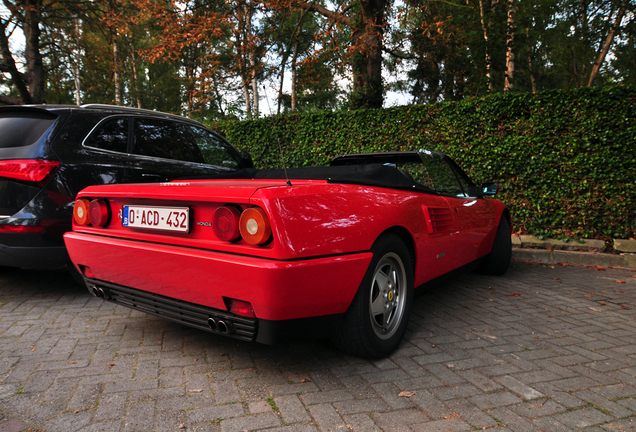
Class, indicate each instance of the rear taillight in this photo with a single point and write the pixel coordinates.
(31, 170)
(99, 212)
(21, 229)
(254, 226)
(95, 212)
(80, 212)
(225, 223)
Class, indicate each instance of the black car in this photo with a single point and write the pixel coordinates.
(49, 153)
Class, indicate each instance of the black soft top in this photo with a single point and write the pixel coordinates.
(373, 174)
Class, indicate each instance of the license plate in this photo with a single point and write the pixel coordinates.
(175, 219)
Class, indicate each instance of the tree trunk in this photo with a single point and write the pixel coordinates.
(283, 62)
(608, 42)
(246, 92)
(76, 64)
(529, 57)
(10, 67)
(254, 83)
(32, 55)
(117, 76)
(293, 78)
(510, 37)
(249, 39)
(488, 60)
(367, 61)
(366, 41)
(135, 73)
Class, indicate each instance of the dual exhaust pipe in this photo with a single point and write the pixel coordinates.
(216, 324)
(99, 292)
(221, 326)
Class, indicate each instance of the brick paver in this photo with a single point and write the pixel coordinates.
(542, 348)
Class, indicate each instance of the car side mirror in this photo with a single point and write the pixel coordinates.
(490, 189)
(246, 160)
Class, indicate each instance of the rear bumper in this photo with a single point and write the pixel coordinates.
(277, 290)
(49, 257)
(215, 320)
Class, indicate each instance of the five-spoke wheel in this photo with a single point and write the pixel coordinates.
(379, 313)
(387, 298)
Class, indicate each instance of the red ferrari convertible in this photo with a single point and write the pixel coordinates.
(275, 255)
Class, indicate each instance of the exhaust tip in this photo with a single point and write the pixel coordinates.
(213, 324)
(226, 327)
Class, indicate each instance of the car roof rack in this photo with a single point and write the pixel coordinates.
(127, 108)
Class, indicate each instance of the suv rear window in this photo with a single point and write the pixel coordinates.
(21, 130)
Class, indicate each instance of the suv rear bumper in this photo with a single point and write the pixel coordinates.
(36, 257)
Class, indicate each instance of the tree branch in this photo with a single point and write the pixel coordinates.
(333, 16)
(399, 54)
(16, 76)
(8, 100)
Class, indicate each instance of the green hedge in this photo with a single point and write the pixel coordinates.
(565, 160)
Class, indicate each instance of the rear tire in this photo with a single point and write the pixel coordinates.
(498, 260)
(377, 318)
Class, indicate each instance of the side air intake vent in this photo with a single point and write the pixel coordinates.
(438, 219)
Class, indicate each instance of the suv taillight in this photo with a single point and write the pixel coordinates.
(32, 170)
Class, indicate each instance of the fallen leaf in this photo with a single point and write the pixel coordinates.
(624, 308)
(304, 380)
(619, 281)
(597, 268)
(586, 295)
(112, 364)
(72, 362)
(514, 294)
(597, 310)
(75, 412)
(195, 390)
(603, 304)
(407, 393)
(181, 426)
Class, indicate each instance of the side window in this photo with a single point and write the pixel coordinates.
(162, 139)
(440, 176)
(213, 150)
(111, 135)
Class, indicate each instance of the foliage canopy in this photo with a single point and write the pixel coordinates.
(565, 160)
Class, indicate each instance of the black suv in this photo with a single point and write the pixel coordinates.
(49, 153)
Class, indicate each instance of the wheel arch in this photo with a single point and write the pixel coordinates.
(407, 238)
(508, 216)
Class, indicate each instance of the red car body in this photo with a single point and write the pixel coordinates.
(302, 280)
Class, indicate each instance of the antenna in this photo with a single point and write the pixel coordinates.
(280, 148)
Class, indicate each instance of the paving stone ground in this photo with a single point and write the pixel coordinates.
(542, 348)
